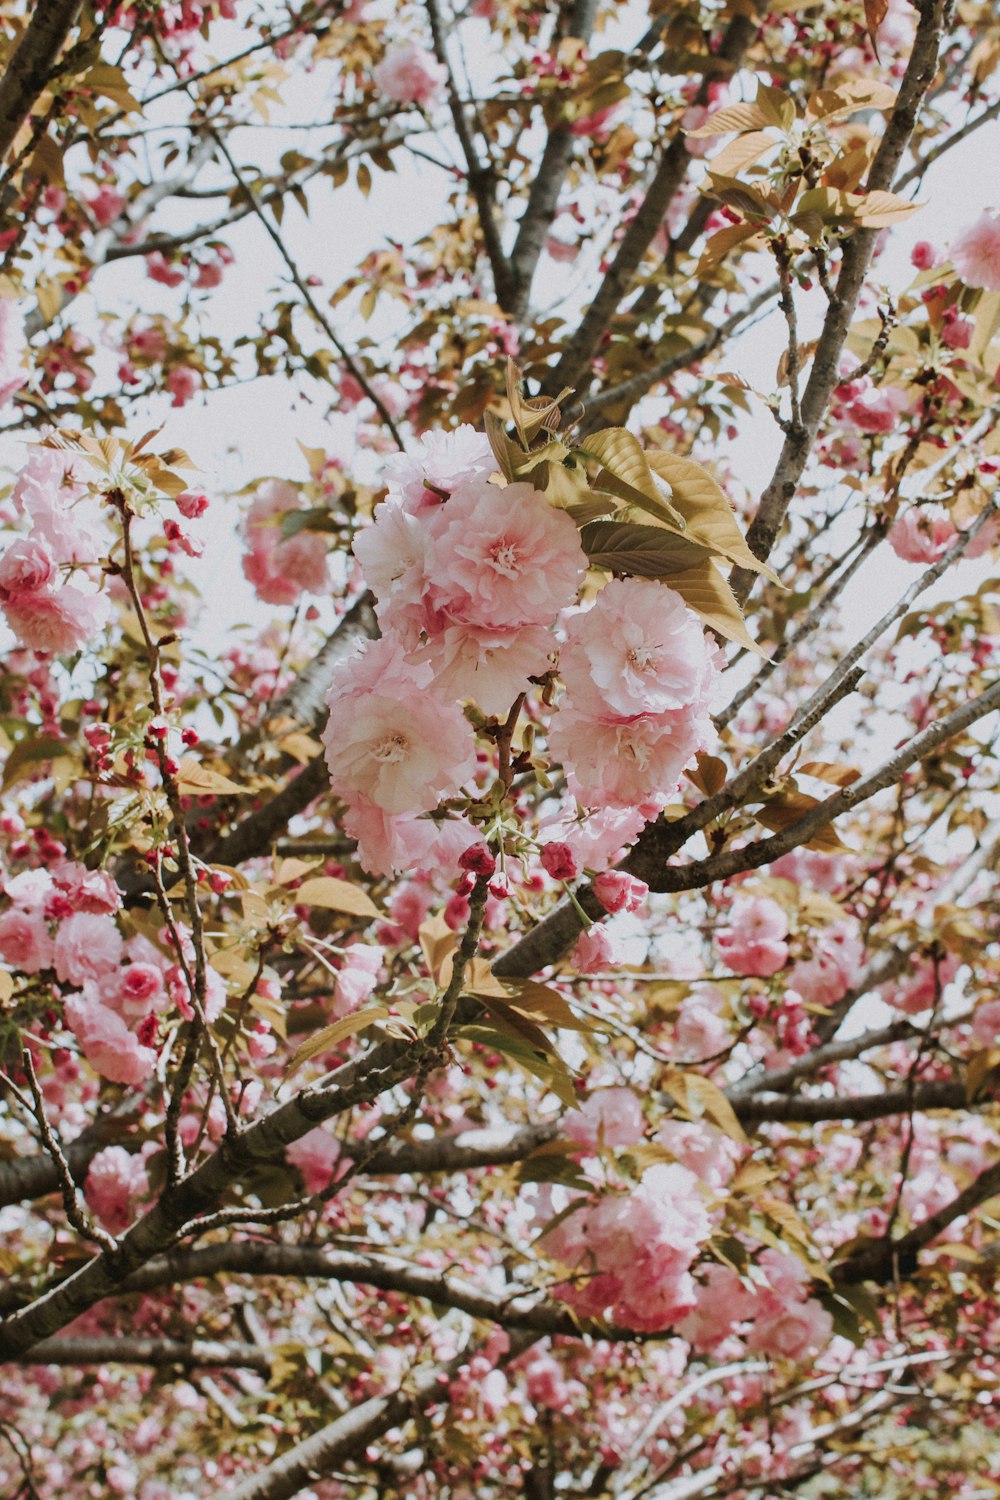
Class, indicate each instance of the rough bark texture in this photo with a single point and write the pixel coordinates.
(29, 69)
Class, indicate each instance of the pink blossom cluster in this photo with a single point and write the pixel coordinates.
(785, 1321)
(281, 568)
(116, 1181)
(632, 1252)
(472, 580)
(975, 253)
(409, 74)
(62, 921)
(469, 580)
(755, 940)
(639, 674)
(45, 613)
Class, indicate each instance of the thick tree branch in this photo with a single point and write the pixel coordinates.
(346, 1436)
(543, 197)
(938, 1094)
(478, 175)
(887, 1260)
(30, 69)
(205, 1354)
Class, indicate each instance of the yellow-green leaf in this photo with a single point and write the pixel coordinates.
(704, 590)
(739, 117)
(851, 95)
(628, 550)
(625, 462)
(707, 513)
(195, 780)
(358, 1020)
(335, 895)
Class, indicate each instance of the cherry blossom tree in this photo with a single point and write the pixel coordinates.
(519, 1016)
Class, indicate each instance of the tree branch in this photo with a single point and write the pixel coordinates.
(30, 68)
(824, 375)
(198, 1354)
(664, 183)
(345, 1436)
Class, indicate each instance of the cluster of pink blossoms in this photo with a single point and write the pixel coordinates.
(472, 581)
(639, 673)
(281, 568)
(634, 1251)
(408, 74)
(785, 1322)
(116, 1181)
(61, 921)
(45, 613)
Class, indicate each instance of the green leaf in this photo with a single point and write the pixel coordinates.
(628, 550)
(628, 475)
(359, 1020)
(704, 590)
(27, 756)
(706, 511)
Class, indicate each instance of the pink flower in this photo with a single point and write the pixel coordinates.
(106, 205)
(922, 534)
(700, 1032)
(617, 891)
(108, 1045)
(559, 861)
(612, 1116)
(182, 382)
(192, 504)
(315, 1155)
(135, 991)
(595, 949)
(25, 943)
(396, 555)
(626, 763)
(13, 346)
(87, 890)
(410, 75)
(561, 251)
(985, 539)
(115, 1180)
(46, 491)
(641, 1245)
(491, 666)
(358, 976)
(160, 269)
(388, 843)
(87, 946)
(280, 568)
(921, 990)
(723, 1301)
(61, 621)
(754, 942)
(975, 254)
(389, 739)
(26, 568)
(923, 255)
(600, 839)
(639, 650)
(505, 557)
(441, 460)
(985, 1023)
(790, 1332)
